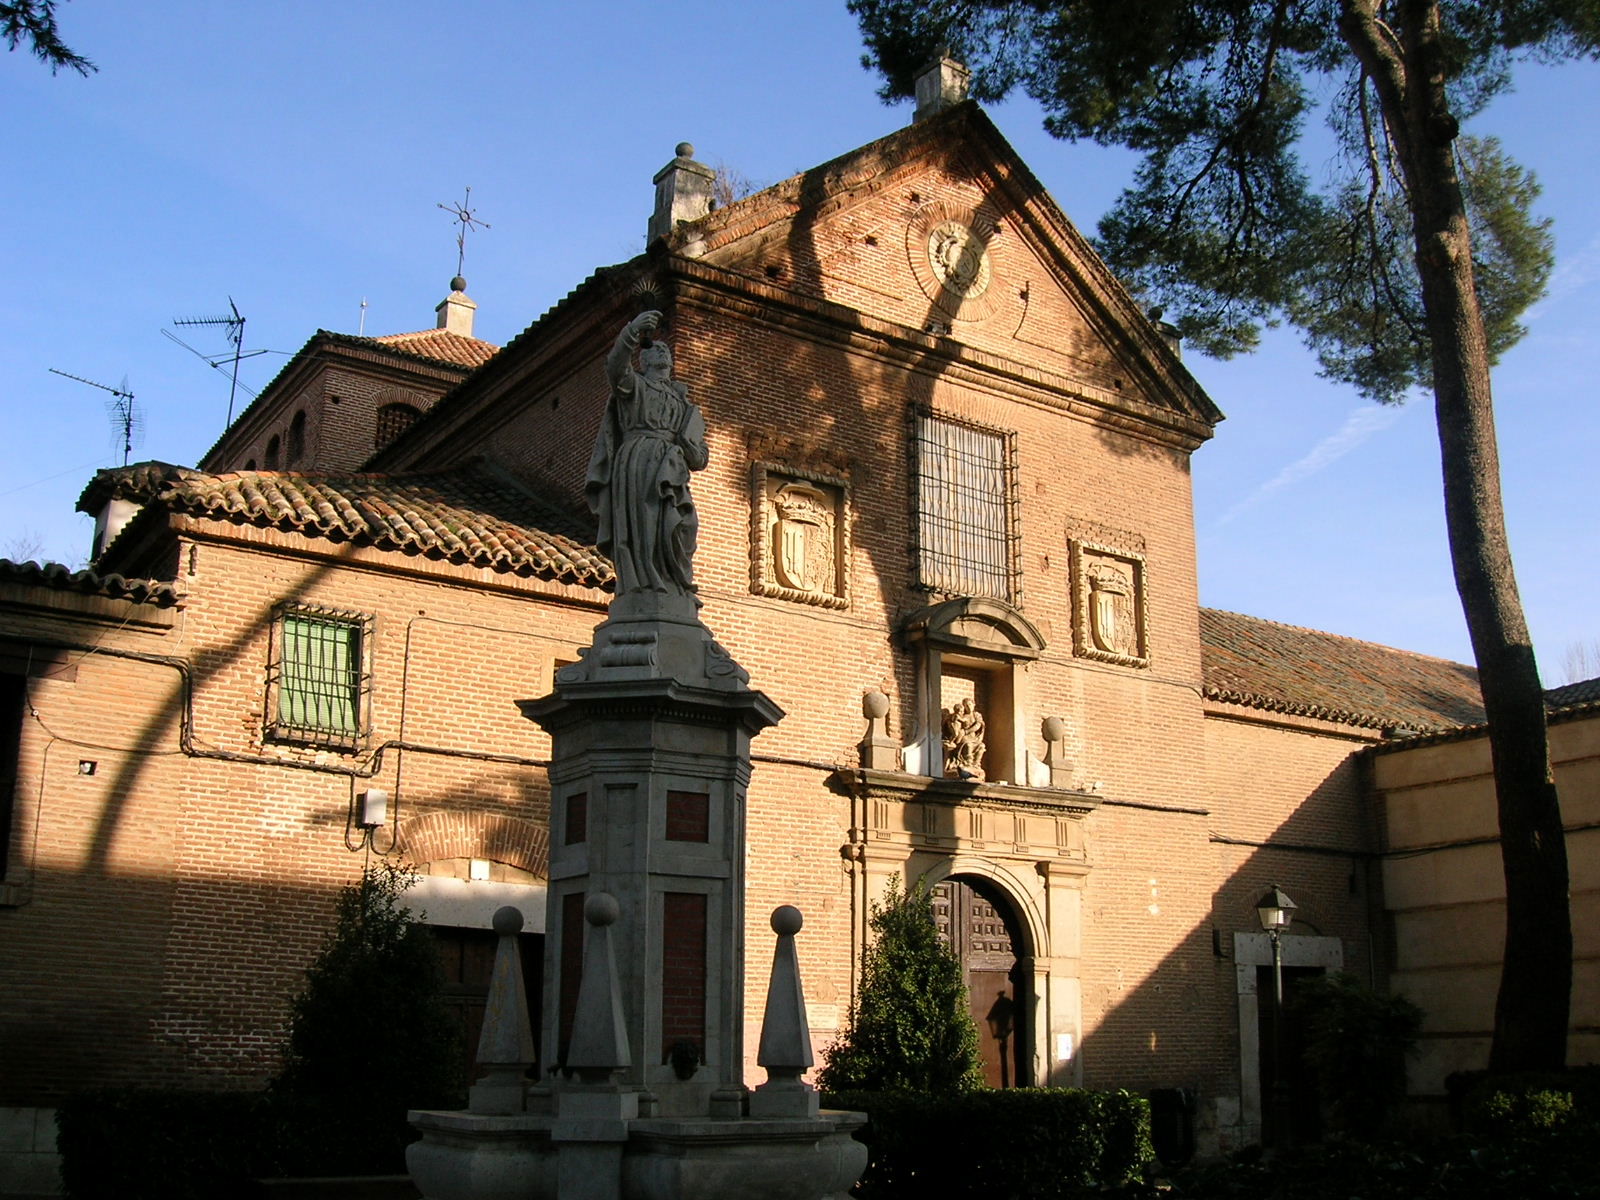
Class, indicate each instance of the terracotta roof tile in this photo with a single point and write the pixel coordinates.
(118, 587)
(1585, 691)
(474, 514)
(1304, 672)
(440, 346)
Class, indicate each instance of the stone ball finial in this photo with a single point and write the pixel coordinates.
(1054, 729)
(685, 150)
(507, 920)
(601, 909)
(874, 705)
(787, 920)
(458, 284)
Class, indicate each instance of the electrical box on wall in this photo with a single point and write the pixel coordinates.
(372, 808)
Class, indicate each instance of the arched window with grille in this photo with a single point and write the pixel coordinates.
(393, 420)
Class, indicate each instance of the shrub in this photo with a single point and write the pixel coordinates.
(911, 1026)
(140, 1144)
(1357, 1042)
(370, 1037)
(1035, 1142)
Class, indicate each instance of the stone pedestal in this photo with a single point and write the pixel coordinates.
(651, 738)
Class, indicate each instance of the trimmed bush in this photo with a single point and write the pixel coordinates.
(1529, 1104)
(139, 1144)
(911, 1026)
(1034, 1142)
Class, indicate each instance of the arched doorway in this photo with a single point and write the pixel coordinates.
(981, 926)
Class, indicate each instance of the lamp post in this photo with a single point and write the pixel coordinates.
(1276, 911)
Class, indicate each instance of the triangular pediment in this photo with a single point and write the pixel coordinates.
(940, 228)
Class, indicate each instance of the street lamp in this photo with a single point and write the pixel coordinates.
(1276, 911)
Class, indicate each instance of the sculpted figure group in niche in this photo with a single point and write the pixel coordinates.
(651, 437)
(963, 735)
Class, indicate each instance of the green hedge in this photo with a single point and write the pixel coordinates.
(1034, 1142)
(133, 1143)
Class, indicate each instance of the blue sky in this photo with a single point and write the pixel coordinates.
(292, 155)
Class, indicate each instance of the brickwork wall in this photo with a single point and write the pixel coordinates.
(340, 400)
(170, 902)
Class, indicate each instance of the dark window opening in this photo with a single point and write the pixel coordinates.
(297, 438)
(13, 703)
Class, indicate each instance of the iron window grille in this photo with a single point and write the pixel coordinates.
(319, 681)
(966, 527)
(393, 420)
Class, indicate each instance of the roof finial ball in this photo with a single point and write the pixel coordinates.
(685, 150)
(458, 284)
(786, 920)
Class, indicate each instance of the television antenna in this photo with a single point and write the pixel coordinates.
(127, 422)
(233, 322)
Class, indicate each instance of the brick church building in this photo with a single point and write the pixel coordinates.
(946, 526)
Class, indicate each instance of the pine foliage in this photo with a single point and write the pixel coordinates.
(911, 1028)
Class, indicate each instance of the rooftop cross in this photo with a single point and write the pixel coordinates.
(464, 216)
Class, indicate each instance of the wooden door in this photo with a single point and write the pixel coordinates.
(468, 959)
(1301, 1101)
(980, 930)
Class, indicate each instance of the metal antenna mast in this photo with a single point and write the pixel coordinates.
(234, 323)
(466, 218)
(126, 421)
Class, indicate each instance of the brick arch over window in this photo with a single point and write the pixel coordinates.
(511, 840)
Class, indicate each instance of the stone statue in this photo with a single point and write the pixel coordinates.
(963, 731)
(638, 483)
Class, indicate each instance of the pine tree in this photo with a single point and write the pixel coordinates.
(911, 1028)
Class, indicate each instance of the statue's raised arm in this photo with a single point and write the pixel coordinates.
(638, 484)
(619, 363)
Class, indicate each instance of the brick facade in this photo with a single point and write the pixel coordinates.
(811, 333)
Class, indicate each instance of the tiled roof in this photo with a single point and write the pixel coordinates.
(439, 346)
(473, 514)
(117, 587)
(1304, 672)
(1585, 691)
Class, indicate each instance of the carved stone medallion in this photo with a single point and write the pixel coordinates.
(959, 259)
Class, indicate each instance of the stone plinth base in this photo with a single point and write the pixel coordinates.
(464, 1156)
(472, 1156)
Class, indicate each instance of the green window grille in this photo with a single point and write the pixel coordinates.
(321, 681)
(966, 527)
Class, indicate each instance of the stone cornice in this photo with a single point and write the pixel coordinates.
(923, 789)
